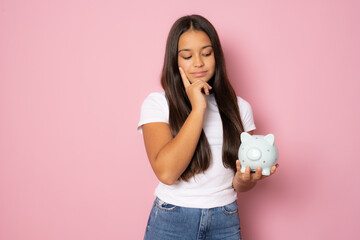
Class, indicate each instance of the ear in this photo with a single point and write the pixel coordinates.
(270, 138)
(245, 137)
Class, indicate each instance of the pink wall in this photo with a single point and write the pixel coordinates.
(73, 75)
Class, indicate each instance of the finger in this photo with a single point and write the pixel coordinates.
(184, 78)
(208, 85)
(238, 165)
(273, 169)
(247, 174)
(202, 86)
(206, 90)
(257, 175)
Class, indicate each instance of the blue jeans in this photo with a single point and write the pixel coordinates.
(170, 222)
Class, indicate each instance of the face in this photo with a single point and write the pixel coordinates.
(196, 56)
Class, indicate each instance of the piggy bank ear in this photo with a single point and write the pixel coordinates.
(270, 139)
(245, 137)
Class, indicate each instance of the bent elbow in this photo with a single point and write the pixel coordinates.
(166, 179)
(165, 174)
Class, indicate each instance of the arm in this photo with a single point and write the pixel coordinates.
(168, 156)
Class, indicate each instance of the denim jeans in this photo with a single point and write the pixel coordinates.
(170, 222)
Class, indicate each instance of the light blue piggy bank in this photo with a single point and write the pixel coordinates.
(257, 151)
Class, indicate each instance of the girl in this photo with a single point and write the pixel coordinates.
(192, 136)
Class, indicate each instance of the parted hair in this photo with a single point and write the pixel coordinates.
(180, 106)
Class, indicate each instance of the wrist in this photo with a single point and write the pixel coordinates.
(198, 111)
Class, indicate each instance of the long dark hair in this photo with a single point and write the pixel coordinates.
(180, 106)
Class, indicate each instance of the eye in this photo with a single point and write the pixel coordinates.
(207, 54)
(186, 58)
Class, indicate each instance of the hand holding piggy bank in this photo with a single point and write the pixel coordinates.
(257, 151)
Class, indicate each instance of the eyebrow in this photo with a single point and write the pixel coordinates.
(186, 49)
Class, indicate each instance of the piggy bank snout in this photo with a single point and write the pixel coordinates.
(253, 154)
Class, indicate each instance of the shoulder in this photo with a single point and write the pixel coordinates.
(156, 98)
(246, 114)
(154, 109)
(243, 104)
(157, 94)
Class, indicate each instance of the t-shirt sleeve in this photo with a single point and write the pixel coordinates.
(154, 109)
(246, 115)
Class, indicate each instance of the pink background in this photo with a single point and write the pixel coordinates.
(73, 75)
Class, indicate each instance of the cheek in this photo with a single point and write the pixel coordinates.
(184, 65)
(211, 65)
(213, 61)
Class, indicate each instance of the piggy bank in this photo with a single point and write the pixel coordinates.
(257, 151)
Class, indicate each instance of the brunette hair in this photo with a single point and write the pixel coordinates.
(180, 106)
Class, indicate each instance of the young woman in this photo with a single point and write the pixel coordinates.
(192, 136)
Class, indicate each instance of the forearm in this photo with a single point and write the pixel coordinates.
(242, 186)
(174, 157)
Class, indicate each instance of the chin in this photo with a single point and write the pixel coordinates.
(205, 79)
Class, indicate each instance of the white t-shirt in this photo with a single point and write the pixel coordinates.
(213, 188)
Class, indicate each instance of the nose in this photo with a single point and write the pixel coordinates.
(198, 62)
(254, 154)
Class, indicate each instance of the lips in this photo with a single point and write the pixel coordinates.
(199, 74)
